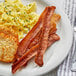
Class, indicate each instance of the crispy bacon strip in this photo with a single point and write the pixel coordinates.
(32, 50)
(31, 53)
(55, 18)
(23, 45)
(35, 41)
(53, 38)
(47, 10)
(44, 39)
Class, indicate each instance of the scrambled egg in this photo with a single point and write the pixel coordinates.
(20, 18)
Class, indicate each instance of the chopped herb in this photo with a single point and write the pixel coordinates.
(3, 20)
(29, 4)
(12, 18)
(5, 7)
(7, 13)
(24, 21)
(27, 20)
(24, 12)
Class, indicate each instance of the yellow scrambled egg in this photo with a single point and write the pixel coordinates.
(20, 18)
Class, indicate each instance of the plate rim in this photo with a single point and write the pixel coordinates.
(44, 72)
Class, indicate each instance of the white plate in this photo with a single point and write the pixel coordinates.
(55, 54)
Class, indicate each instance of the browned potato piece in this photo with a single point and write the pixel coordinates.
(8, 31)
(8, 47)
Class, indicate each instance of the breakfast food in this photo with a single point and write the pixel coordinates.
(16, 20)
(8, 47)
(8, 44)
(31, 53)
(32, 44)
(20, 18)
(8, 31)
(44, 35)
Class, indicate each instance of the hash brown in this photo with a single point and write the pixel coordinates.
(8, 47)
(8, 31)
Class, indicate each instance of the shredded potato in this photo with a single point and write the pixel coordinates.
(20, 18)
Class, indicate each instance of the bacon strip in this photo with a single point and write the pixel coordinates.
(33, 47)
(47, 10)
(53, 38)
(55, 18)
(44, 39)
(31, 53)
(23, 45)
